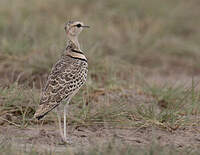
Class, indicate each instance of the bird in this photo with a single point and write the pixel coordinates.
(67, 76)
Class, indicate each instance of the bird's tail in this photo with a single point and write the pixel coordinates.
(44, 109)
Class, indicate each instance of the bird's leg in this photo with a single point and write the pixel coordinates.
(59, 121)
(65, 125)
(67, 140)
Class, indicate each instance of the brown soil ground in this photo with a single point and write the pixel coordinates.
(48, 137)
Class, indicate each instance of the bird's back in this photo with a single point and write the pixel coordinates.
(64, 80)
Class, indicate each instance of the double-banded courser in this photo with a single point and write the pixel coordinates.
(66, 77)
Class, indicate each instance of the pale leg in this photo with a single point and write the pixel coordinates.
(67, 140)
(59, 121)
(65, 125)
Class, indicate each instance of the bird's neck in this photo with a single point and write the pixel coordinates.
(75, 51)
(74, 41)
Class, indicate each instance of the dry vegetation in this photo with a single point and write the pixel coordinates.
(143, 83)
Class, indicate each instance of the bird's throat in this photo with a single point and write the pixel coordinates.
(74, 40)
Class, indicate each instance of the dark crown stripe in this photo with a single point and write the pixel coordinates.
(77, 58)
(75, 51)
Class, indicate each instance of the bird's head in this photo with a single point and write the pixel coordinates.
(73, 28)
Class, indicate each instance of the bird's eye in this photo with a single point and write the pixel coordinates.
(78, 25)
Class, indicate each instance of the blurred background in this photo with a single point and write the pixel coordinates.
(131, 46)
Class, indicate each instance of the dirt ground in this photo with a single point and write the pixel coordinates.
(48, 137)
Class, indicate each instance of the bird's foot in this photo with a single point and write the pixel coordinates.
(66, 141)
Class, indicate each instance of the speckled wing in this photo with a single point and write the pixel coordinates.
(65, 79)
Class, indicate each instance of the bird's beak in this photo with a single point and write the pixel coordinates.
(85, 26)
